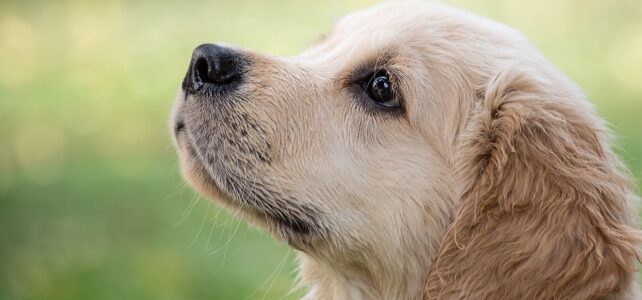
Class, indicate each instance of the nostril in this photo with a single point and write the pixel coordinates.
(224, 69)
(200, 69)
(215, 70)
(214, 65)
(218, 69)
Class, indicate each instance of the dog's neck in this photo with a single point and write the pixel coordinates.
(396, 271)
(376, 281)
(387, 265)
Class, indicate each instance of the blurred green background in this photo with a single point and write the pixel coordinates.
(91, 202)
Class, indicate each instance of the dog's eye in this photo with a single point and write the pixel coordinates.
(379, 89)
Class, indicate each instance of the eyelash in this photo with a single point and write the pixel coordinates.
(357, 89)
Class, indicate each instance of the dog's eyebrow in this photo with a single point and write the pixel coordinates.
(365, 68)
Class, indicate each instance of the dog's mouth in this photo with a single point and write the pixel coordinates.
(279, 214)
(227, 152)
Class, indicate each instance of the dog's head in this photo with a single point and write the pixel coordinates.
(364, 147)
(340, 145)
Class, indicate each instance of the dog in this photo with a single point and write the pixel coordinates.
(415, 152)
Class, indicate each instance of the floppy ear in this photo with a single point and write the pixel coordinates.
(544, 203)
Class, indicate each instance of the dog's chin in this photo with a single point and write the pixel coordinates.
(297, 234)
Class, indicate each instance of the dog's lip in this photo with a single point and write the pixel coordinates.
(197, 162)
(294, 224)
(179, 127)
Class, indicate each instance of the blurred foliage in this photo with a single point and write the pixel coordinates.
(91, 202)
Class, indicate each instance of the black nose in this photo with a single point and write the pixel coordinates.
(213, 66)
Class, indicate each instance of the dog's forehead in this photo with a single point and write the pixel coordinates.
(387, 16)
(367, 32)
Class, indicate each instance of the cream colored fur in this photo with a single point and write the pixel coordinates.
(495, 182)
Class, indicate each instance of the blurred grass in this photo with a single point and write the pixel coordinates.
(91, 202)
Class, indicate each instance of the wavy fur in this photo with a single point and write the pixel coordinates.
(494, 180)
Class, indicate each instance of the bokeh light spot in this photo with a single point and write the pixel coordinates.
(19, 47)
(40, 151)
(625, 60)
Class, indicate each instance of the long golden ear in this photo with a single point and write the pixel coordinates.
(545, 210)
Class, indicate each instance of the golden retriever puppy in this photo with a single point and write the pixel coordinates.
(417, 151)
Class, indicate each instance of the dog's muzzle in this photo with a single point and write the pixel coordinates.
(214, 72)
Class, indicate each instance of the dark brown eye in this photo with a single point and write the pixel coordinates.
(379, 89)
